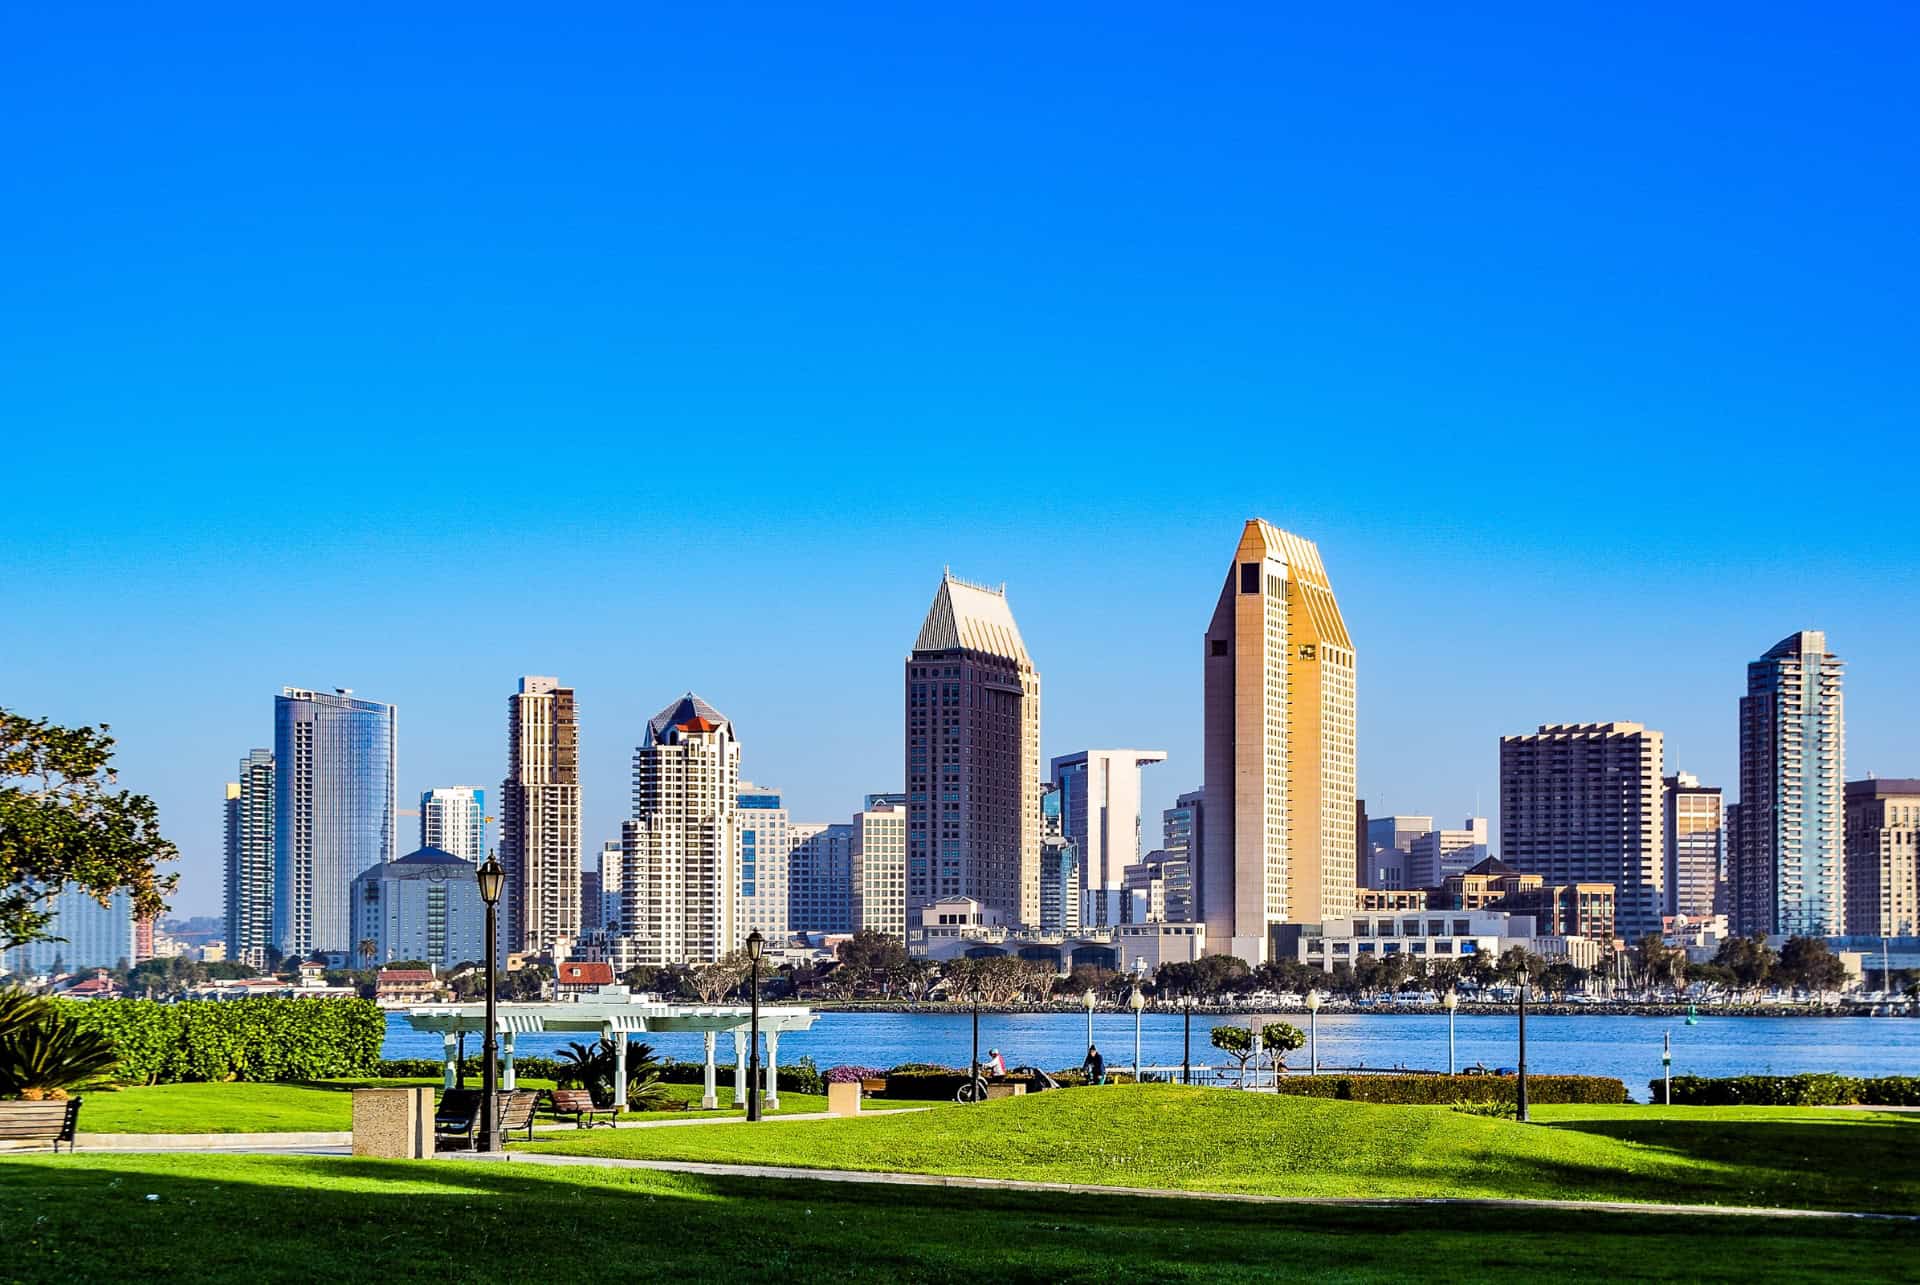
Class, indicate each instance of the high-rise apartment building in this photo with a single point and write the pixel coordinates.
(1062, 900)
(333, 811)
(1434, 855)
(540, 817)
(612, 886)
(1100, 813)
(83, 934)
(1695, 847)
(249, 851)
(1183, 826)
(1790, 873)
(1883, 857)
(820, 877)
(453, 819)
(1279, 746)
(1583, 803)
(973, 756)
(761, 829)
(681, 862)
(878, 860)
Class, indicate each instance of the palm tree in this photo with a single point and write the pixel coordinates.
(368, 949)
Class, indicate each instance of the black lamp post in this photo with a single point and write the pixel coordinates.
(755, 945)
(973, 1067)
(1521, 1090)
(1186, 1039)
(491, 878)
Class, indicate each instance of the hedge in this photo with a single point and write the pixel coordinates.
(1443, 1090)
(801, 1077)
(240, 1039)
(1791, 1091)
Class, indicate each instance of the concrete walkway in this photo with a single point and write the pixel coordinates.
(865, 1177)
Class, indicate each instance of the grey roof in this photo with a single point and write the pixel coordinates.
(687, 707)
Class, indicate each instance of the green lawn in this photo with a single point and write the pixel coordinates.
(1222, 1140)
(241, 1107)
(141, 1218)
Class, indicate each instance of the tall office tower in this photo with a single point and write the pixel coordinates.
(1159, 889)
(820, 877)
(1361, 848)
(877, 894)
(973, 756)
(1695, 846)
(424, 906)
(1062, 899)
(249, 882)
(1390, 842)
(761, 832)
(453, 819)
(1883, 857)
(1790, 875)
(612, 886)
(540, 817)
(85, 934)
(1432, 856)
(681, 861)
(1183, 826)
(1582, 803)
(593, 913)
(1100, 810)
(333, 811)
(1279, 733)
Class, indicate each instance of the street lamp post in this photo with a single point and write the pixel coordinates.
(1452, 1001)
(491, 878)
(1521, 1092)
(755, 945)
(1090, 999)
(973, 1067)
(1313, 1030)
(1186, 1039)
(1137, 1003)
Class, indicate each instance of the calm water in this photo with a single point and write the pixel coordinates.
(1625, 1047)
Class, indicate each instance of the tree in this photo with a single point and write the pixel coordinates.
(63, 825)
(368, 949)
(1277, 1039)
(1559, 978)
(1810, 964)
(1749, 959)
(714, 982)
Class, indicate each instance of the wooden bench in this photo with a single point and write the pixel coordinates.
(458, 1116)
(877, 1084)
(50, 1121)
(578, 1103)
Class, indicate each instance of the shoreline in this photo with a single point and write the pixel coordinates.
(1370, 1010)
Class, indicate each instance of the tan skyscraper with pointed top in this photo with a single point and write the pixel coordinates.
(1279, 747)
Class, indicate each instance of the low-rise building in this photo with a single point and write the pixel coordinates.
(1428, 935)
(574, 978)
(405, 987)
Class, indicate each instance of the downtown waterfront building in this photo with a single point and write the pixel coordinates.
(1183, 826)
(973, 756)
(1883, 857)
(763, 840)
(1695, 847)
(333, 811)
(540, 818)
(453, 818)
(93, 936)
(680, 861)
(1789, 871)
(424, 906)
(1434, 855)
(1100, 815)
(249, 860)
(877, 895)
(1279, 737)
(820, 877)
(1583, 803)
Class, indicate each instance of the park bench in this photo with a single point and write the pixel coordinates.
(873, 1085)
(579, 1104)
(458, 1116)
(50, 1121)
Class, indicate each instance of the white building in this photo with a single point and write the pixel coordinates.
(878, 861)
(453, 818)
(680, 865)
(1432, 856)
(1100, 814)
(612, 885)
(1435, 935)
(763, 840)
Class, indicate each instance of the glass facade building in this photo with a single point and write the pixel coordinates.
(93, 936)
(1788, 876)
(250, 859)
(333, 810)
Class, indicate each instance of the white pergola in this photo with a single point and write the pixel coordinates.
(614, 1020)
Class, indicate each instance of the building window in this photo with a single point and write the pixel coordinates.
(1249, 577)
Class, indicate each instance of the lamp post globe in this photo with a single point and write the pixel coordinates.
(1137, 1002)
(1313, 1031)
(756, 946)
(1452, 1002)
(492, 878)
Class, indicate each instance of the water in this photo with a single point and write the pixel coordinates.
(1627, 1048)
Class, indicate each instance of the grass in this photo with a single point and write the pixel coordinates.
(302, 1218)
(323, 1107)
(1221, 1140)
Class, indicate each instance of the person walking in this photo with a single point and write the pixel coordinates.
(1095, 1067)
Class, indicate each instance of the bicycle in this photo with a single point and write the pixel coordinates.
(974, 1090)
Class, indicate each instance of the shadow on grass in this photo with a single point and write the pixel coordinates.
(262, 1218)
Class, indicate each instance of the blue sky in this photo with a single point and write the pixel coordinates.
(682, 348)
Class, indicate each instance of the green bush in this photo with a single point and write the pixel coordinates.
(1818, 1090)
(1443, 1090)
(242, 1039)
(432, 1068)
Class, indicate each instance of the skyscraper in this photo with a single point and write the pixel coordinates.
(973, 756)
(1100, 812)
(761, 827)
(540, 817)
(1696, 848)
(83, 934)
(1061, 897)
(333, 811)
(820, 877)
(612, 886)
(1279, 747)
(249, 881)
(878, 887)
(680, 861)
(1583, 803)
(424, 906)
(453, 819)
(1183, 826)
(1390, 841)
(1790, 873)
(1883, 857)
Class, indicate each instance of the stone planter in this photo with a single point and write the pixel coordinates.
(843, 1098)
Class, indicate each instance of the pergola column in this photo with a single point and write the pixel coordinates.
(451, 1044)
(507, 1081)
(710, 1099)
(739, 1067)
(619, 1067)
(773, 1068)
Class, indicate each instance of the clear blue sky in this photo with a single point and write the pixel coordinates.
(415, 349)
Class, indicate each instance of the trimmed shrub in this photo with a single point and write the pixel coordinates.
(853, 1074)
(1817, 1090)
(241, 1039)
(1443, 1090)
(429, 1068)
